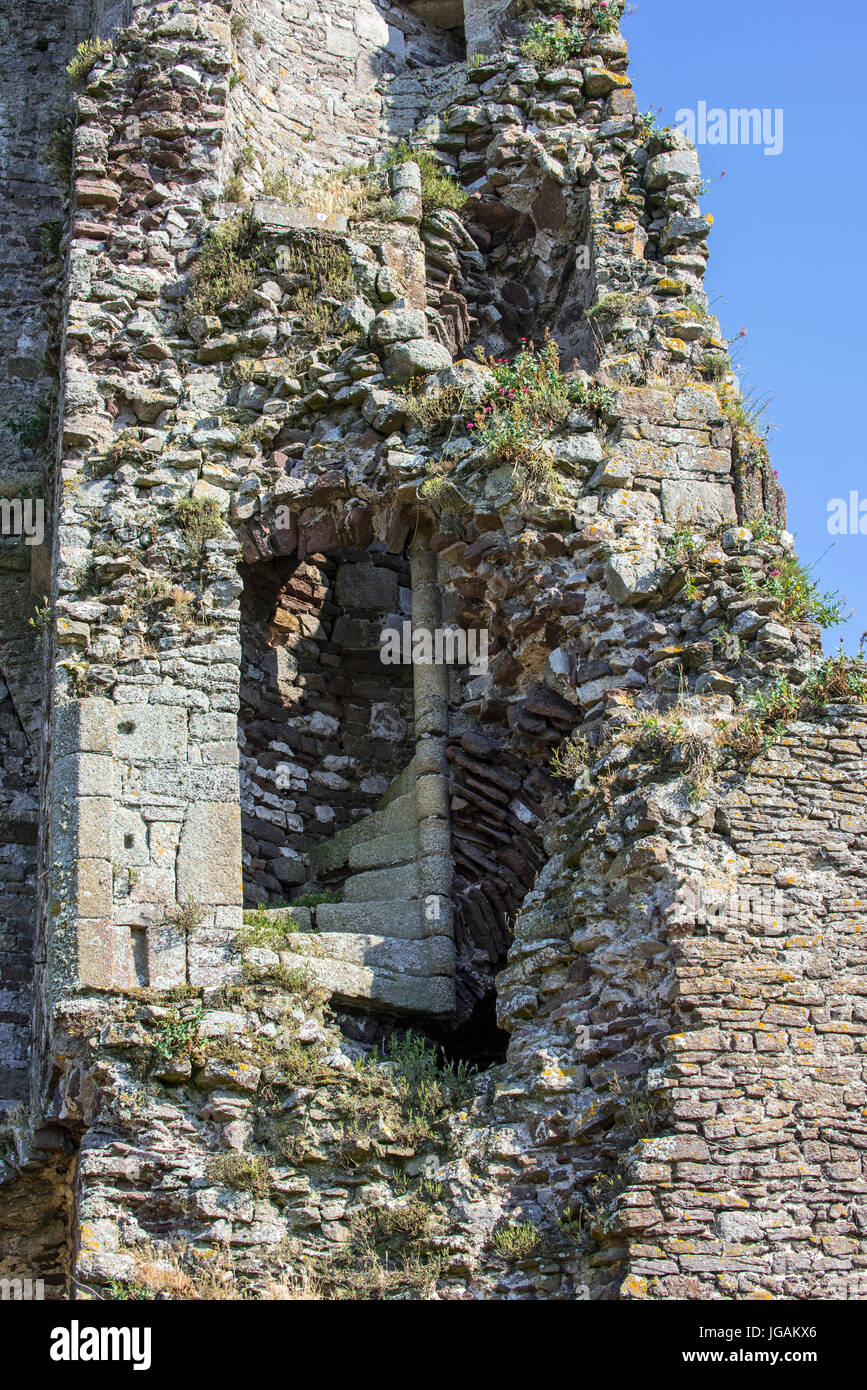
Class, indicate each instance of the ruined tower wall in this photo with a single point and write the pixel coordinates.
(701, 958)
(38, 40)
(677, 1114)
(759, 1189)
(143, 856)
(320, 86)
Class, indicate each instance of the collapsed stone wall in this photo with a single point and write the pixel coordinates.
(732, 1175)
(615, 1130)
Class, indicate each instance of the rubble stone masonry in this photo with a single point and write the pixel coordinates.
(326, 978)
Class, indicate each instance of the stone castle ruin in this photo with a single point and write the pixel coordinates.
(323, 976)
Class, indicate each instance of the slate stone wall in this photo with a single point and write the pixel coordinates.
(678, 1112)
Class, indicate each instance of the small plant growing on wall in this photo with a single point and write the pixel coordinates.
(554, 43)
(324, 278)
(235, 190)
(800, 598)
(439, 188)
(225, 273)
(188, 917)
(337, 192)
(41, 619)
(246, 1171)
(529, 394)
(324, 264)
(262, 929)
(715, 365)
(517, 1241)
(573, 758)
(176, 1035)
(325, 895)
(612, 306)
(199, 521)
(50, 239)
(87, 55)
(58, 151)
(31, 431)
(840, 679)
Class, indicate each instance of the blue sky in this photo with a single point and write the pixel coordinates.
(786, 252)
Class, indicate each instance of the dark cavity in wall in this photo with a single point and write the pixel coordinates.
(427, 33)
(476, 1041)
(569, 327)
(18, 789)
(324, 725)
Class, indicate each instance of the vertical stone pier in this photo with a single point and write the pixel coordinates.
(431, 729)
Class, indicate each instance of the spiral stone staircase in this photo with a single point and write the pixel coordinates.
(388, 944)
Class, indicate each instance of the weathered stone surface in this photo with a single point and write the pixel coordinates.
(417, 357)
(387, 918)
(208, 869)
(704, 503)
(398, 326)
(553, 822)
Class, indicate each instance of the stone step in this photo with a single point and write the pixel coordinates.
(434, 955)
(401, 786)
(410, 977)
(404, 920)
(334, 853)
(399, 884)
(398, 847)
(277, 916)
